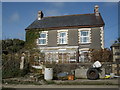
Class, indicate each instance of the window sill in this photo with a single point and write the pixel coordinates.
(62, 44)
(42, 44)
(85, 43)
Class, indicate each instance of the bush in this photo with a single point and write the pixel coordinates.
(25, 71)
(102, 55)
(11, 67)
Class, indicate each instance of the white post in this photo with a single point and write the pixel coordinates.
(22, 62)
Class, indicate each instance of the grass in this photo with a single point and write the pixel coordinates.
(85, 83)
(20, 82)
(50, 82)
(59, 83)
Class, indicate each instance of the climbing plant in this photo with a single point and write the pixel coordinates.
(31, 37)
(31, 45)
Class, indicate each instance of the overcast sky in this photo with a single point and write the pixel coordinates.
(17, 16)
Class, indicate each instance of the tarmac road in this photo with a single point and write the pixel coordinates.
(60, 86)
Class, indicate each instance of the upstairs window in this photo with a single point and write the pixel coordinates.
(85, 36)
(43, 38)
(62, 37)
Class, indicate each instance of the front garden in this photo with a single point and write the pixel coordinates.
(12, 73)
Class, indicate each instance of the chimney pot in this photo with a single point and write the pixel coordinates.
(40, 15)
(96, 10)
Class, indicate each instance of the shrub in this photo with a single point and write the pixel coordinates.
(11, 67)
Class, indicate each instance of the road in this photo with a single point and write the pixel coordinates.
(60, 86)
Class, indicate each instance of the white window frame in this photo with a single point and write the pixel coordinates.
(66, 37)
(46, 38)
(82, 59)
(89, 35)
(72, 54)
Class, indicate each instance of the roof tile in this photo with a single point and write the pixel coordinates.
(67, 21)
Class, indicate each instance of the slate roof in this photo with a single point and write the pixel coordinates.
(67, 21)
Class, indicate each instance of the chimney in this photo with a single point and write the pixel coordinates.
(40, 15)
(96, 11)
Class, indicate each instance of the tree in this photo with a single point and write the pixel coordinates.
(118, 40)
(11, 54)
(102, 55)
(12, 45)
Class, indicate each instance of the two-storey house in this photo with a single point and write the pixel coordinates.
(69, 38)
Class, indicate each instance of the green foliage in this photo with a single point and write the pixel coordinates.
(117, 41)
(25, 71)
(50, 82)
(11, 66)
(31, 37)
(31, 45)
(10, 81)
(86, 83)
(12, 45)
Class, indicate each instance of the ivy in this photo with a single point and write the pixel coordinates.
(31, 37)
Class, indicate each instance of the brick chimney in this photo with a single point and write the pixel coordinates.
(40, 15)
(96, 10)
